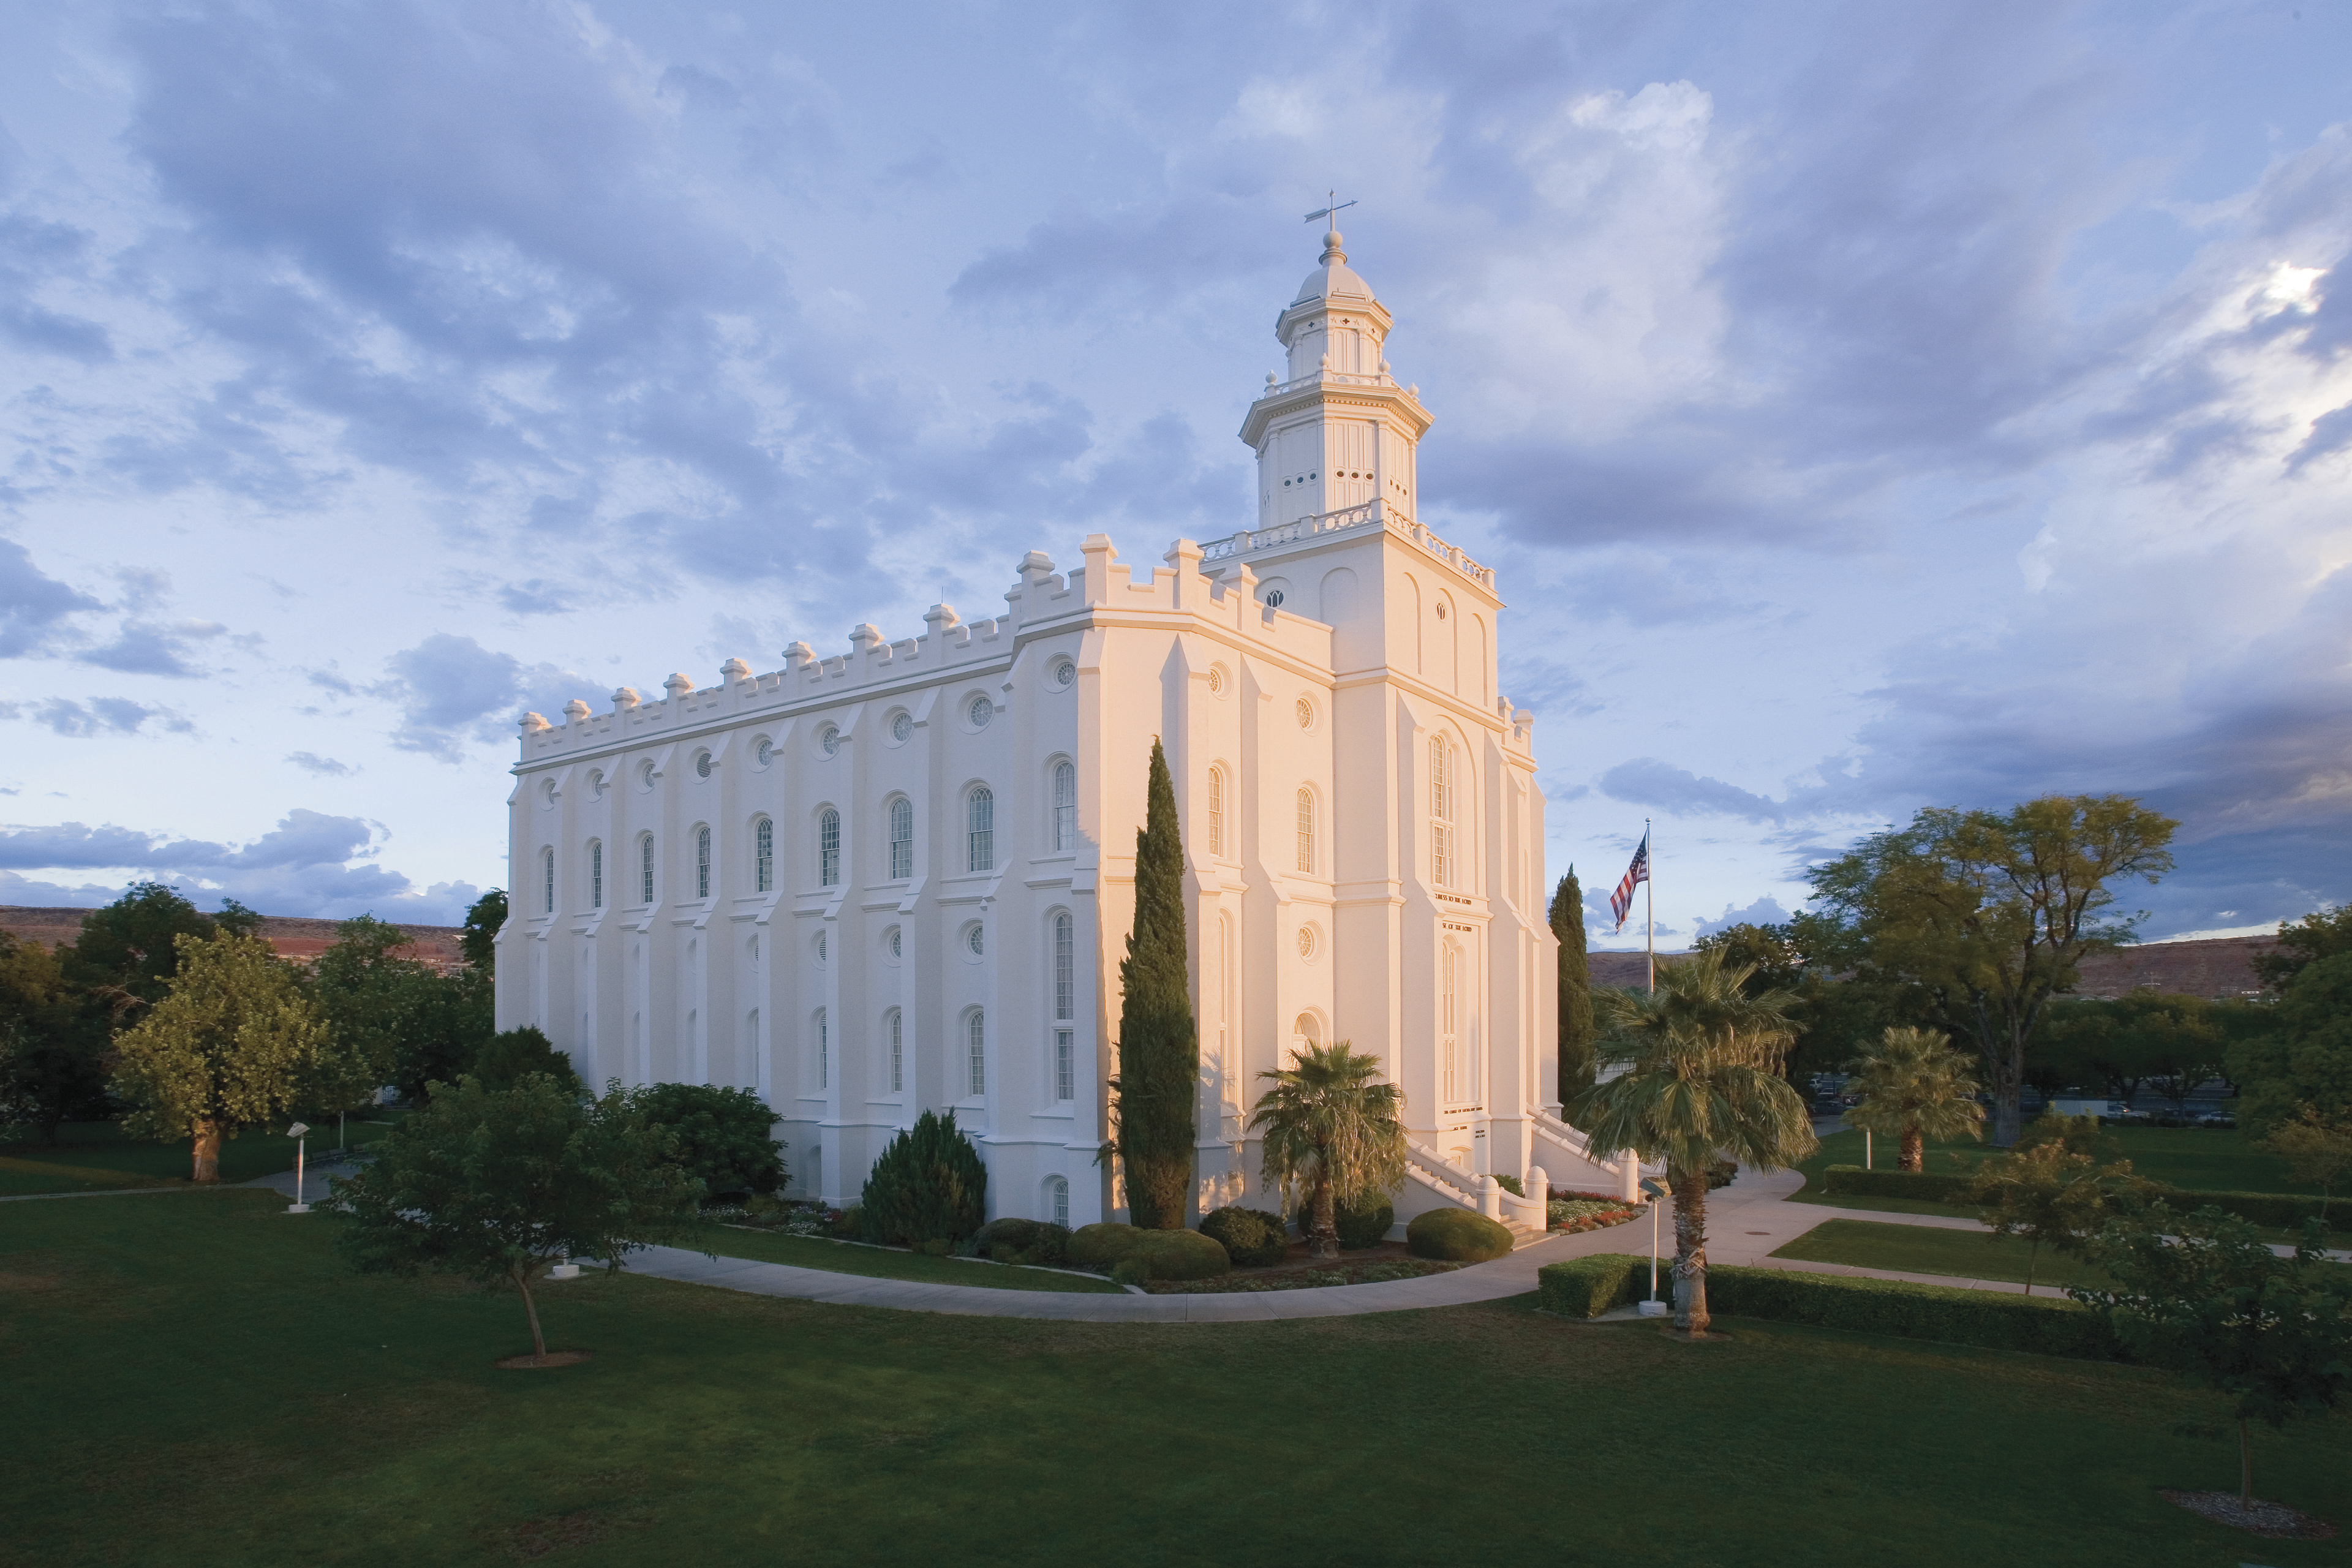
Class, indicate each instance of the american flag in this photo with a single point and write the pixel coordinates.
(1636, 874)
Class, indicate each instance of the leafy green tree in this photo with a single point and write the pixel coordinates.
(1577, 1033)
(2305, 1056)
(1158, 1045)
(2317, 1151)
(1914, 1086)
(2173, 1045)
(484, 917)
(128, 951)
(2204, 1295)
(2053, 1197)
(928, 1185)
(51, 1056)
(512, 1055)
(499, 1185)
(2322, 935)
(723, 1134)
(1699, 1081)
(1833, 1014)
(234, 1042)
(1332, 1134)
(1991, 914)
(399, 1020)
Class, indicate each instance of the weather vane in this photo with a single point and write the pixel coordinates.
(1335, 207)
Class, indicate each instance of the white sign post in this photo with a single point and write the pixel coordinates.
(298, 1132)
(1654, 1190)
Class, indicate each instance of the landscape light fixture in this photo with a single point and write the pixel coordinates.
(297, 1133)
(1652, 1190)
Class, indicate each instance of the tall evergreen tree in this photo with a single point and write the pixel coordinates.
(1159, 1046)
(1576, 1030)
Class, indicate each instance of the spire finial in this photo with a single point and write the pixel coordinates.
(1332, 251)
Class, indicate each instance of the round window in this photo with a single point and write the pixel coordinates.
(820, 947)
(1306, 942)
(1216, 681)
(596, 784)
(828, 739)
(978, 711)
(1306, 711)
(644, 776)
(1065, 673)
(765, 752)
(893, 943)
(547, 795)
(1440, 612)
(974, 940)
(901, 726)
(702, 764)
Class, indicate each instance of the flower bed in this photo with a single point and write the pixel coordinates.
(1375, 1272)
(1589, 1211)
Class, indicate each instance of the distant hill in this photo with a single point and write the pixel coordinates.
(293, 937)
(2216, 967)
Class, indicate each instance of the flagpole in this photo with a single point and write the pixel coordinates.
(1649, 904)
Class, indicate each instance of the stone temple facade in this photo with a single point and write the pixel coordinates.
(900, 877)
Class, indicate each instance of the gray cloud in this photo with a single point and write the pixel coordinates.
(326, 767)
(1648, 782)
(453, 690)
(33, 605)
(150, 648)
(103, 715)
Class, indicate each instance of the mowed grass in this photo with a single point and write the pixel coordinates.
(96, 1155)
(2215, 1159)
(200, 1382)
(1920, 1249)
(884, 1263)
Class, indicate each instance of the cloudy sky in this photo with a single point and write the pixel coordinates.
(1863, 406)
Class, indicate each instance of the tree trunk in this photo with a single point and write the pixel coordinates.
(208, 1143)
(1323, 1234)
(2007, 1116)
(2246, 1465)
(1914, 1148)
(2032, 1257)
(1690, 1250)
(530, 1311)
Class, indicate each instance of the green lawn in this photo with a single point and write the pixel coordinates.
(94, 1155)
(879, 1263)
(1919, 1249)
(2217, 1159)
(201, 1382)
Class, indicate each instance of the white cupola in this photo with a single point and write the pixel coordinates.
(1336, 432)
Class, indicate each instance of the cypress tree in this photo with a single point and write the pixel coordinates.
(1577, 1063)
(1159, 1047)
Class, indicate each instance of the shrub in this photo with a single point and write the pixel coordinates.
(1588, 1286)
(1102, 1244)
(1512, 1185)
(1458, 1236)
(722, 1133)
(1130, 1271)
(1180, 1255)
(2284, 1210)
(1012, 1240)
(1359, 1227)
(506, 1057)
(1252, 1238)
(846, 1225)
(929, 1186)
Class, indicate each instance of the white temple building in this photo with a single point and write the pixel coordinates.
(900, 877)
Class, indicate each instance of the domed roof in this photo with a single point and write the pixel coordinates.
(1334, 279)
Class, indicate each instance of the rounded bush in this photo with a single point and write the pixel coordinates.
(1102, 1244)
(1181, 1254)
(1252, 1238)
(1456, 1236)
(1009, 1234)
(1130, 1271)
(1360, 1226)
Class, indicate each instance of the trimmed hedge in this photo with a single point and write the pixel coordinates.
(1458, 1236)
(1102, 1244)
(1252, 1238)
(1992, 1319)
(2284, 1211)
(1166, 1254)
(1015, 1240)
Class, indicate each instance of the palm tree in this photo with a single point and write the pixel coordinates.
(1332, 1130)
(1914, 1084)
(1692, 1075)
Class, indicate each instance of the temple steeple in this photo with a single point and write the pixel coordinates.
(1336, 431)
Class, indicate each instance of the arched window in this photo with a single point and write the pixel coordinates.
(763, 855)
(823, 1052)
(902, 840)
(1057, 1200)
(1441, 812)
(891, 1026)
(976, 1045)
(1448, 1012)
(1066, 807)
(595, 873)
(828, 848)
(980, 830)
(645, 855)
(1216, 811)
(547, 873)
(1066, 966)
(702, 862)
(1307, 831)
(1305, 1033)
